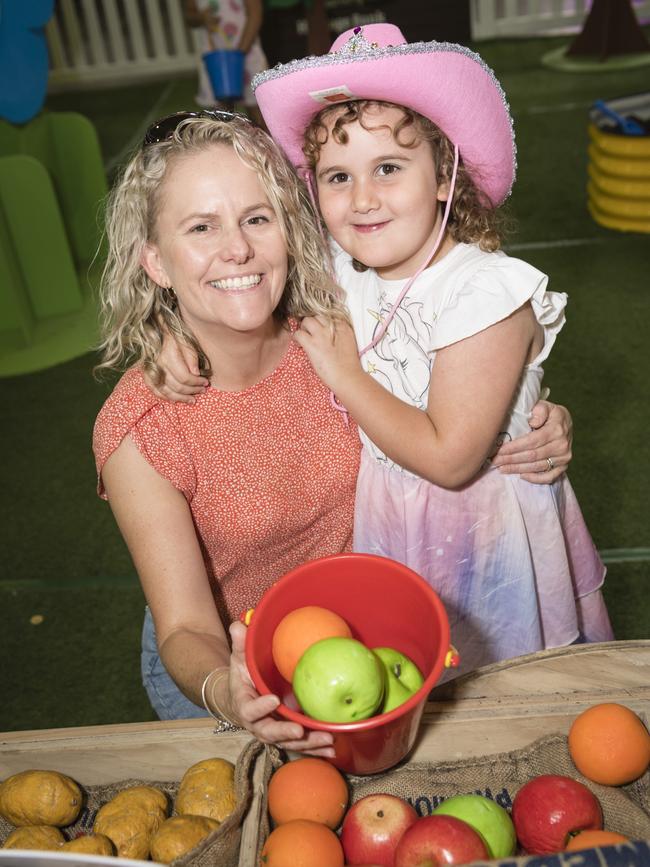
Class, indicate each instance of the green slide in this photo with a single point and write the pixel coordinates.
(52, 186)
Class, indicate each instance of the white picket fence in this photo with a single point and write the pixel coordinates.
(100, 42)
(110, 42)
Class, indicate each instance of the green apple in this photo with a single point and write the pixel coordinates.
(403, 677)
(486, 816)
(339, 680)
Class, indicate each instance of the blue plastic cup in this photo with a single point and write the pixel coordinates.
(225, 69)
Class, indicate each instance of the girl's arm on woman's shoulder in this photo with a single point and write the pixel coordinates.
(181, 376)
(156, 523)
(472, 385)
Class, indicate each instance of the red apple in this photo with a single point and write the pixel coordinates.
(548, 808)
(438, 840)
(372, 828)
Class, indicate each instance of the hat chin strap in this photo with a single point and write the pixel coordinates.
(308, 177)
(393, 310)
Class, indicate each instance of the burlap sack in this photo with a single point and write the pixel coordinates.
(273, 758)
(219, 848)
(626, 809)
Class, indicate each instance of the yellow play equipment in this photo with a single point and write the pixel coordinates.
(619, 175)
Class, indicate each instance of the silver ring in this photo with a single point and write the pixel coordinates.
(550, 463)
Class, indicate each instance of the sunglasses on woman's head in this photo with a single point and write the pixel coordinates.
(163, 129)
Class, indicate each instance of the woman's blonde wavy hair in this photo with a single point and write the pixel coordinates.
(135, 312)
(472, 217)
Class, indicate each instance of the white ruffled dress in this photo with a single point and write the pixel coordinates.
(512, 561)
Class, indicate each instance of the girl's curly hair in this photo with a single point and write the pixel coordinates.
(472, 218)
(135, 312)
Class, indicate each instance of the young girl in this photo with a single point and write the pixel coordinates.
(410, 157)
(227, 25)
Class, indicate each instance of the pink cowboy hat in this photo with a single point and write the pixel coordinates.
(445, 82)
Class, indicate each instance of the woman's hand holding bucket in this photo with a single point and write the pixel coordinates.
(255, 711)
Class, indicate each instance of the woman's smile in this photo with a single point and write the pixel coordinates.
(238, 284)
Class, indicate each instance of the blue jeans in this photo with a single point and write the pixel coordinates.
(166, 698)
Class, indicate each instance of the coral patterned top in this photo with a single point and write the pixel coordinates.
(269, 473)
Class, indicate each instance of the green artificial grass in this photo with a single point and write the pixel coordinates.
(626, 595)
(56, 529)
(79, 665)
(597, 368)
(63, 557)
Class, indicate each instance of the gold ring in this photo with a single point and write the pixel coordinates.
(550, 463)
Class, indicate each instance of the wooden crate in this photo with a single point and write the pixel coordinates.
(508, 705)
(496, 709)
(152, 751)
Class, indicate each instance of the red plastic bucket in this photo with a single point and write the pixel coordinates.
(225, 69)
(385, 604)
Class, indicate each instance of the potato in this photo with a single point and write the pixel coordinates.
(130, 818)
(147, 797)
(130, 829)
(40, 798)
(207, 789)
(90, 844)
(34, 837)
(177, 836)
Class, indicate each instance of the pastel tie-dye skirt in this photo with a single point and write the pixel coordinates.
(513, 562)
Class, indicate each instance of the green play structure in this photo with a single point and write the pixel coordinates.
(52, 187)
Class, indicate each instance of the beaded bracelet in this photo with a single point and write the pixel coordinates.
(224, 722)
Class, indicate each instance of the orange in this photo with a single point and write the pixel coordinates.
(588, 839)
(609, 744)
(301, 843)
(298, 630)
(308, 789)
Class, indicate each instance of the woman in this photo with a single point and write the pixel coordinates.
(212, 239)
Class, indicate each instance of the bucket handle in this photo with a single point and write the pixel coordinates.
(452, 657)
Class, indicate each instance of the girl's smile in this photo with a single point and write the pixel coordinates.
(380, 198)
(370, 227)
